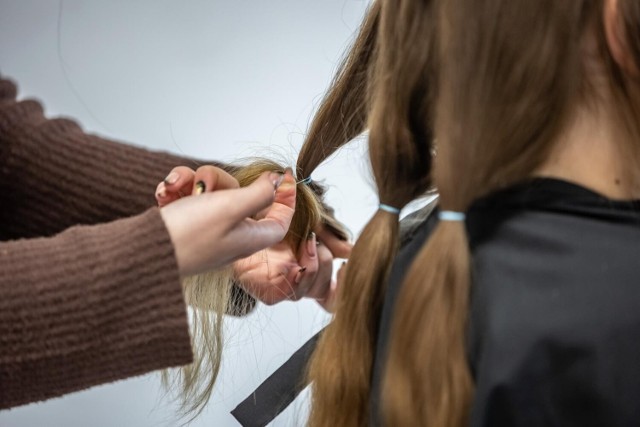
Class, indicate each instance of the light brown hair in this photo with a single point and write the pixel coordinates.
(210, 296)
(400, 154)
(503, 78)
(512, 74)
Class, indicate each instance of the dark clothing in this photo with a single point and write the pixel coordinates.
(554, 322)
(554, 330)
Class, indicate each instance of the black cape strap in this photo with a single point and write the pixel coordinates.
(277, 392)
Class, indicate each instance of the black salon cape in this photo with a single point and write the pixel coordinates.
(554, 331)
(554, 322)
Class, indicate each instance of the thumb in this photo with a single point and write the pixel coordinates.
(261, 194)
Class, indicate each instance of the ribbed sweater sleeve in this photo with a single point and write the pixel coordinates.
(53, 175)
(94, 303)
(91, 305)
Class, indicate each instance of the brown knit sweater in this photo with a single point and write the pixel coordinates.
(89, 286)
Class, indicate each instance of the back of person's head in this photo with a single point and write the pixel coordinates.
(505, 78)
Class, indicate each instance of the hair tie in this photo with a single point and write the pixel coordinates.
(451, 216)
(306, 181)
(388, 208)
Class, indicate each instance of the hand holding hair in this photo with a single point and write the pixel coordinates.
(216, 228)
(277, 273)
(183, 181)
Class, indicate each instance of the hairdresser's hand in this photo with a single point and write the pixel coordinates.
(183, 181)
(278, 274)
(275, 274)
(323, 293)
(214, 229)
(339, 248)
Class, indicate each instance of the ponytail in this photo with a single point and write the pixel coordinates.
(400, 154)
(508, 84)
(434, 304)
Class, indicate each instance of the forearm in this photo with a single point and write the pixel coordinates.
(88, 306)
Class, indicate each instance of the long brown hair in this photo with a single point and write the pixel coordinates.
(504, 77)
(399, 146)
(511, 75)
(210, 296)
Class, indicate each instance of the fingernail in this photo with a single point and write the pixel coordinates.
(276, 178)
(311, 245)
(172, 178)
(298, 277)
(200, 187)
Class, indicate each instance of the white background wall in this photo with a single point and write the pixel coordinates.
(220, 79)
